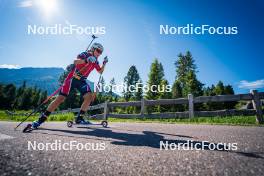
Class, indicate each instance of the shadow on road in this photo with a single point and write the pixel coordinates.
(149, 139)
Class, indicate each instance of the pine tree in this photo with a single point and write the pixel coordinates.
(36, 96)
(112, 83)
(164, 94)
(26, 100)
(102, 84)
(19, 94)
(228, 90)
(192, 85)
(177, 93)
(139, 93)
(219, 88)
(9, 95)
(130, 80)
(156, 76)
(186, 81)
(184, 65)
(2, 96)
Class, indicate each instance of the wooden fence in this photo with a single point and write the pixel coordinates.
(253, 96)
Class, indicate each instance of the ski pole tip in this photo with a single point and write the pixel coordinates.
(94, 37)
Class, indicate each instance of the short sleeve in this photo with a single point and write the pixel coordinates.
(83, 56)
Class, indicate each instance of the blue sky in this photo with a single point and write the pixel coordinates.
(132, 37)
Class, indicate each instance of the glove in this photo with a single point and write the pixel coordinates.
(91, 59)
(70, 67)
(105, 60)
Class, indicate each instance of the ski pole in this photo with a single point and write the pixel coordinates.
(94, 94)
(94, 37)
(37, 108)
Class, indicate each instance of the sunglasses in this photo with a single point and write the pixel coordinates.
(99, 51)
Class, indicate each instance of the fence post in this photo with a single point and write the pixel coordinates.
(106, 110)
(69, 110)
(191, 109)
(142, 110)
(257, 106)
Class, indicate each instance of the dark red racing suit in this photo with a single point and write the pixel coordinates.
(77, 77)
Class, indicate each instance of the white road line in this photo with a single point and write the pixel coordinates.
(4, 136)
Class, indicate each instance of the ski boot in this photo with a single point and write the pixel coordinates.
(35, 124)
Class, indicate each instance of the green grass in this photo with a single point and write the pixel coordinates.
(57, 117)
(234, 120)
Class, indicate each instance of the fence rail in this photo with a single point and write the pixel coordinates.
(253, 96)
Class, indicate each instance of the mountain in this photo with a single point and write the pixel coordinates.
(43, 78)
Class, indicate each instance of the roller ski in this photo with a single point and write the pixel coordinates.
(31, 127)
(81, 122)
(34, 125)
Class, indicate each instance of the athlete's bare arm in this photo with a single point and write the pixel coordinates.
(102, 69)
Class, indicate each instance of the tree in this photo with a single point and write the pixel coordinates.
(2, 100)
(209, 91)
(186, 78)
(186, 81)
(155, 78)
(102, 83)
(43, 97)
(192, 85)
(184, 65)
(19, 94)
(228, 90)
(139, 93)
(164, 94)
(130, 80)
(112, 83)
(177, 93)
(26, 99)
(219, 89)
(9, 95)
(36, 96)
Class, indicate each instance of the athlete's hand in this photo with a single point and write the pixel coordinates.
(105, 60)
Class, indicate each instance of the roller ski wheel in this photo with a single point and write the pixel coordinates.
(69, 124)
(104, 123)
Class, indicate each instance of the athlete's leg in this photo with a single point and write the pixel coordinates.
(64, 92)
(55, 103)
(87, 98)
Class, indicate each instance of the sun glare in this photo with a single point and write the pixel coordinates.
(48, 7)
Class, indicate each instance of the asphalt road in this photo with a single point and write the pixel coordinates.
(131, 149)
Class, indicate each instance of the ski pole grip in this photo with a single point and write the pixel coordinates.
(105, 60)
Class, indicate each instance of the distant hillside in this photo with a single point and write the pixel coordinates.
(43, 78)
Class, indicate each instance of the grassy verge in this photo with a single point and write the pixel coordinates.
(57, 117)
(234, 120)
